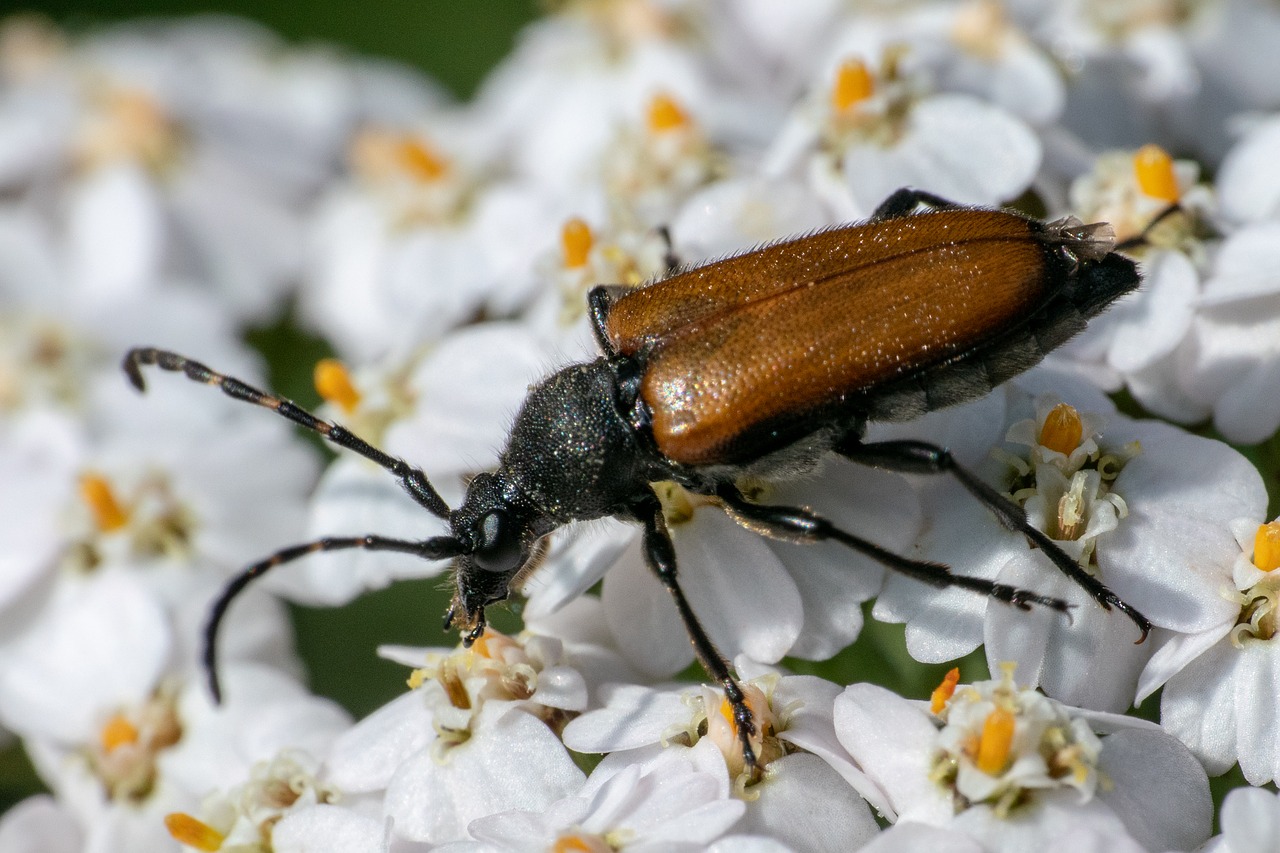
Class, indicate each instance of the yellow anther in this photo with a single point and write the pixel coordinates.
(416, 679)
(1062, 429)
(943, 692)
(117, 732)
(1154, 169)
(997, 738)
(108, 514)
(187, 830)
(333, 383)
(853, 84)
(665, 114)
(1266, 546)
(421, 160)
(576, 240)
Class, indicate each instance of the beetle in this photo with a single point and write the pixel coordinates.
(755, 365)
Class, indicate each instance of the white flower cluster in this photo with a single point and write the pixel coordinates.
(174, 184)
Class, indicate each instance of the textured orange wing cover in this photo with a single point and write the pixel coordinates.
(798, 326)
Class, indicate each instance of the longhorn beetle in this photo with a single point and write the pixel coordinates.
(755, 365)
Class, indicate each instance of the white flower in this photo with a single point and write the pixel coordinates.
(245, 817)
(415, 243)
(1143, 521)
(1137, 342)
(574, 78)
(125, 736)
(1211, 676)
(1234, 359)
(667, 805)
(871, 132)
(795, 746)
(473, 738)
(1014, 769)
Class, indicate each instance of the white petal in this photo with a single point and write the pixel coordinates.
(892, 740)
(1161, 792)
(512, 762)
(1198, 706)
(1175, 655)
(1248, 412)
(805, 804)
(908, 837)
(1257, 682)
(116, 233)
(103, 647)
(634, 716)
(365, 757)
(1248, 183)
(1169, 556)
(39, 825)
(1089, 661)
(326, 827)
(1251, 821)
(1151, 322)
(961, 148)
(646, 627)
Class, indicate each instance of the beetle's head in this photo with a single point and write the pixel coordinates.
(497, 535)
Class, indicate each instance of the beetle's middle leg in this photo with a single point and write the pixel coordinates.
(919, 457)
(660, 554)
(796, 524)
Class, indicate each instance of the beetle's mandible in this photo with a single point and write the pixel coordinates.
(755, 365)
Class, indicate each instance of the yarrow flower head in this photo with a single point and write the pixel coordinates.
(999, 744)
(1014, 768)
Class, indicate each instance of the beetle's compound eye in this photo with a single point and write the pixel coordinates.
(499, 549)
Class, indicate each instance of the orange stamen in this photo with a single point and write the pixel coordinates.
(943, 692)
(1154, 170)
(665, 114)
(333, 383)
(117, 732)
(421, 161)
(1062, 429)
(108, 514)
(1266, 546)
(187, 830)
(853, 83)
(997, 738)
(576, 240)
(572, 844)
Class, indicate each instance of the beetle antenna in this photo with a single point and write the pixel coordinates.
(413, 480)
(436, 548)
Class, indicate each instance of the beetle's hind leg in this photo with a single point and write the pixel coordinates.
(796, 524)
(904, 201)
(660, 554)
(919, 457)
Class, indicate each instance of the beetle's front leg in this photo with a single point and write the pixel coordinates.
(660, 554)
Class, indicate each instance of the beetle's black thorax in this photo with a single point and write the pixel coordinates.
(573, 451)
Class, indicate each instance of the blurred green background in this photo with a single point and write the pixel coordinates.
(455, 43)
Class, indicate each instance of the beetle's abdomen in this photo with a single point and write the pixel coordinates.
(748, 353)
